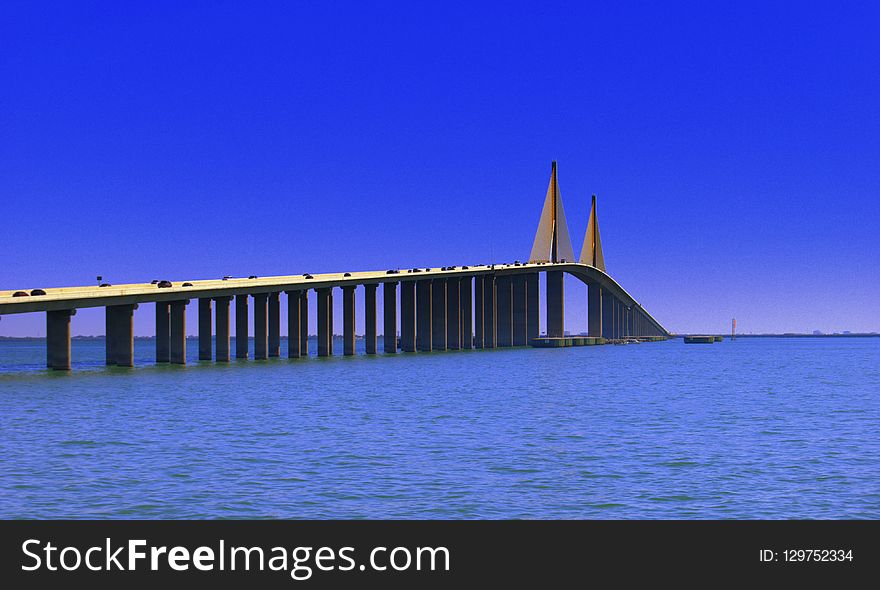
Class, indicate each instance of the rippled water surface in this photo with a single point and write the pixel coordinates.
(757, 428)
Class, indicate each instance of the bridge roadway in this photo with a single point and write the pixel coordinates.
(482, 306)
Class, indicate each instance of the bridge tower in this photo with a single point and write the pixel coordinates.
(553, 244)
(591, 254)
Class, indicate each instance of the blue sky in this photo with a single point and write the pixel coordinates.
(735, 150)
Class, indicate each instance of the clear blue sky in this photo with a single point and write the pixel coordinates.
(735, 150)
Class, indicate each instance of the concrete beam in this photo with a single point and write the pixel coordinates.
(555, 304)
(205, 344)
(466, 304)
(178, 331)
(424, 322)
(325, 313)
(241, 326)
(453, 315)
(163, 332)
(389, 292)
(370, 333)
(58, 339)
(438, 314)
(504, 311)
(408, 316)
(221, 327)
(261, 326)
(348, 336)
(274, 324)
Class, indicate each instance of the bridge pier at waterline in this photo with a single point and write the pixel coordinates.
(205, 344)
(261, 326)
(241, 326)
(555, 304)
(58, 339)
(438, 314)
(465, 302)
(348, 337)
(221, 326)
(408, 316)
(423, 315)
(371, 335)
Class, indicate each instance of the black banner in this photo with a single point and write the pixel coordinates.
(434, 553)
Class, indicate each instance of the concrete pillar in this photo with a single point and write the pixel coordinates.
(205, 329)
(58, 339)
(607, 315)
(274, 324)
(241, 326)
(594, 310)
(163, 332)
(109, 334)
(304, 323)
(348, 337)
(479, 323)
(221, 328)
(408, 316)
(178, 331)
(466, 304)
(533, 329)
(122, 329)
(438, 314)
(370, 333)
(504, 310)
(555, 304)
(453, 315)
(489, 318)
(424, 321)
(389, 291)
(330, 321)
(293, 328)
(324, 313)
(520, 310)
(261, 326)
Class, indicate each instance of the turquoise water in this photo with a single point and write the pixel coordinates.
(756, 428)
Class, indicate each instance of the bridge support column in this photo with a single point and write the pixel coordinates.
(122, 349)
(304, 322)
(520, 310)
(348, 337)
(479, 319)
(489, 312)
(438, 314)
(466, 305)
(275, 324)
(618, 319)
(606, 315)
(504, 310)
(325, 312)
(205, 329)
(178, 332)
(293, 324)
(163, 332)
(241, 326)
(58, 339)
(370, 333)
(221, 327)
(389, 292)
(261, 326)
(594, 310)
(453, 314)
(109, 334)
(424, 321)
(555, 304)
(408, 316)
(533, 329)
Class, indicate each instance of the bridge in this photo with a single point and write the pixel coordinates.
(448, 308)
